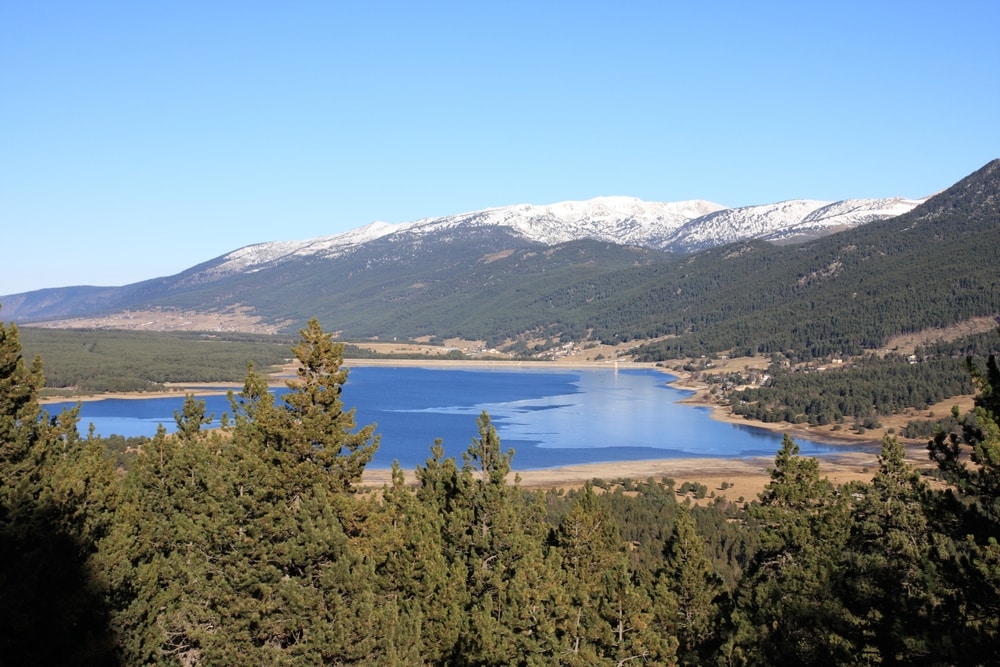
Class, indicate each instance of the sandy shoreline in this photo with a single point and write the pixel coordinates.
(744, 477)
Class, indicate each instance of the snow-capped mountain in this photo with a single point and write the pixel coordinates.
(797, 219)
(253, 257)
(684, 226)
(737, 224)
(844, 215)
(624, 220)
(520, 270)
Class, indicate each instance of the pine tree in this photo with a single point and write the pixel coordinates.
(191, 418)
(630, 615)
(58, 494)
(238, 547)
(689, 588)
(160, 551)
(590, 546)
(19, 409)
(403, 536)
(892, 586)
(787, 610)
(494, 534)
(968, 512)
(315, 432)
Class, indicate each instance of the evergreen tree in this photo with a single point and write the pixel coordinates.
(403, 536)
(237, 548)
(690, 589)
(610, 618)
(160, 553)
(891, 586)
(590, 546)
(630, 615)
(314, 432)
(191, 418)
(494, 535)
(19, 409)
(968, 512)
(58, 494)
(787, 610)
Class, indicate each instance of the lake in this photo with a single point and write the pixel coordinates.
(550, 417)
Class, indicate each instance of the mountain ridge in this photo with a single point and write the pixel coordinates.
(683, 226)
(665, 226)
(495, 276)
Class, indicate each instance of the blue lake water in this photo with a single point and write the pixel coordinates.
(550, 417)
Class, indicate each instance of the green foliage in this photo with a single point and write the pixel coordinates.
(591, 549)
(844, 294)
(693, 589)
(19, 388)
(101, 360)
(894, 587)
(787, 607)
(314, 432)
(233, 546)
(968, 514)
(869, 387)
(250, 545)
(57, 503)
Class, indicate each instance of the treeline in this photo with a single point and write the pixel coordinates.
(871, 387)
(254, 545)
(100, 360)
(844, 294)
(841, 294)
(864, 389)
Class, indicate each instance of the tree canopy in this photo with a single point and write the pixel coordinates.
(256, 544)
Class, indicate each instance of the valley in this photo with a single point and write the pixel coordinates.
(590, 283)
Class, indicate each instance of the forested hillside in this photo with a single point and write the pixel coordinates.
(844, 293)
(840, 294)
(857, 392)
(254, 545)
(94, 361)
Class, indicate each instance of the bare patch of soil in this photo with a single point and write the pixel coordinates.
(233, 319)
(907, 343)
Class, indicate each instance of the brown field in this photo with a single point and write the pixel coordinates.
(233, 318)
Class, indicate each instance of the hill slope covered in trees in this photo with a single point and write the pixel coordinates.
(840, 294)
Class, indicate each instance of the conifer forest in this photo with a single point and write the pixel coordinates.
(254, 544)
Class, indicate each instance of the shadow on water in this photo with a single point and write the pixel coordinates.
(52, 611)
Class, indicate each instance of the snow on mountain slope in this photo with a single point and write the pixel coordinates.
(845, 215)
(737, 224)
(623, 220)
(684, 226)
(254, 257)
(783, 221)
(616, 219)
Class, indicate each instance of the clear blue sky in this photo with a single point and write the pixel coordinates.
(140, 138)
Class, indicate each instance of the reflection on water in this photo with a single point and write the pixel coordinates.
(549, 417)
